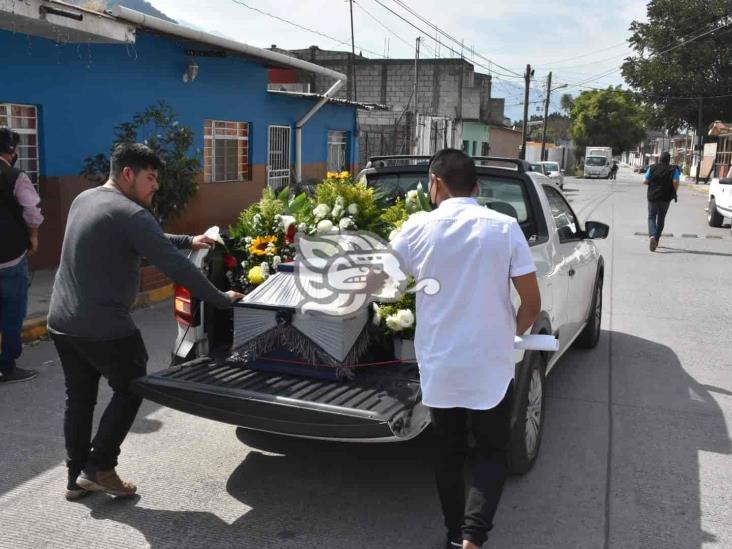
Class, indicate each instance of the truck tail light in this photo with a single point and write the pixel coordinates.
(184, 306)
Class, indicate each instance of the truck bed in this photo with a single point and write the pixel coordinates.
(381, 403)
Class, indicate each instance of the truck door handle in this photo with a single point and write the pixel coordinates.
(571, 272)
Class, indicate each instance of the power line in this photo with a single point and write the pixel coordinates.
(421, 31)
(440, 31)
(283, 20)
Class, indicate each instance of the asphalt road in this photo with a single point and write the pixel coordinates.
(636, 448)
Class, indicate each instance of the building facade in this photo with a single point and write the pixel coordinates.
(69, 83)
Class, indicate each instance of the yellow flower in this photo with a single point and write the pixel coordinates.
(255, 275)
(259, 245)
(331, 175)
(343, 175)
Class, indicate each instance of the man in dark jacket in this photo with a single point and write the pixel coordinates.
(20, 218)
(109, 229)
(662, 180)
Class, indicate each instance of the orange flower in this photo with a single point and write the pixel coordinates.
(261, 245)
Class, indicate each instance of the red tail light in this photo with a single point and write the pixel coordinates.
(184, 306)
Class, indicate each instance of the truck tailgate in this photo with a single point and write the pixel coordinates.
(381, 403)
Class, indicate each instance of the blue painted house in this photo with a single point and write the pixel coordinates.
(72, 75)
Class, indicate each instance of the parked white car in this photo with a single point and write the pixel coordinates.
(554, 172)
(720, 201)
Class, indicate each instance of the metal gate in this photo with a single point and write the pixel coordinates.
(278, 157)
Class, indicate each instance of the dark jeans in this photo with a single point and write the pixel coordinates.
(657, 211)
(13, 304)
(84, 362)
(471, 519)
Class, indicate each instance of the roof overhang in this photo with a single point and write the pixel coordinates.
(720, 129)
(63, 22)
(266, 57)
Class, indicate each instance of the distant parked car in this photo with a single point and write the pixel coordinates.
(551, 170)
(720, 201)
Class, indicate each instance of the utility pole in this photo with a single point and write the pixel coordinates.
(353, 56)
(414, 97)
(527, 82)
(546, 114)
(700, 140)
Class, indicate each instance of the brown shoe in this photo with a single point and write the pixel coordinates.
(106, 481)
(653, 244)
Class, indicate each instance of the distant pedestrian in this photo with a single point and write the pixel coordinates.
(662, 180)
(464, 339)
(109, 229)
(20, 218)
(614, 170)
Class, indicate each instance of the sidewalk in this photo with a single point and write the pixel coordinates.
(39, 298)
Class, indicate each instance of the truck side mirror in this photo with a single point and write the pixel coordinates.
(595, 229)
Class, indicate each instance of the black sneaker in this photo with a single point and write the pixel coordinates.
(16, 375)
(454, 543)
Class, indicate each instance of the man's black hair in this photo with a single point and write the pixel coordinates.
(8, 141)
(665, 158)
(456, 169)
(136, 156)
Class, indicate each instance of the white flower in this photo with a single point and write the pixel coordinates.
(302, 227)
(257, 219)
(392, 322)
(412, 196)
(345, 223)
(405, 317)
(353, 209)
(248, 239)
(376, 319)
(324, 226)
(393, 234)
(265, 268)
(276, 260)
(286, 221)
(420, 188)
(337, 212)
(214, 234)
(244, 264)
(340, 202)
(321, 210)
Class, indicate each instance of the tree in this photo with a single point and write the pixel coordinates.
(566, 102)
(157, 128)
(683, 51)
(608, 118)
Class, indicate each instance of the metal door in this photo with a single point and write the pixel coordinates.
(278, 157)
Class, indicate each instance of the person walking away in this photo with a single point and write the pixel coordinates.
(20, 218)
(662, 180)
(614, 170)
(109, 229)
(465, 336)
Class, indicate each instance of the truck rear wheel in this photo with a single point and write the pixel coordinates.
(529, 426)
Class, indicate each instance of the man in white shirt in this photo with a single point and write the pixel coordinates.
(464, 337)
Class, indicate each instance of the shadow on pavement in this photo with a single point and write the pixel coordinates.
(669, 250)
(306, 493)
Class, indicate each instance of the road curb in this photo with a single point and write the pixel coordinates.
(700, 189)
(36, 327)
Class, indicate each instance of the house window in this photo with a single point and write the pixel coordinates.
(23, 119)
(485, 149)
(337, 151)
(225, 151)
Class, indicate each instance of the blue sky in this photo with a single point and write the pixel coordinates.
(578, 40)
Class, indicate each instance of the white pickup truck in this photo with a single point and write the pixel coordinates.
(720, 201)
(383, 404)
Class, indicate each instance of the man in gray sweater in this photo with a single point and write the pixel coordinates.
(109, 229)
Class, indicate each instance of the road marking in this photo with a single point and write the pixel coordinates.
(688, 235)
